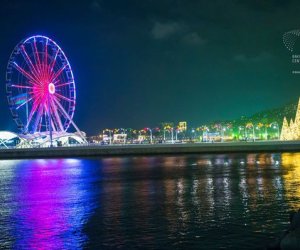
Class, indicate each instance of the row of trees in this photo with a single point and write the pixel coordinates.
(222, 131)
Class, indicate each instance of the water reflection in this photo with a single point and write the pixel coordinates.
(195, 201)
(7, 174)
(50, 204)
(291, 176)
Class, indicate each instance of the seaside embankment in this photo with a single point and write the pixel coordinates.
(151, 149)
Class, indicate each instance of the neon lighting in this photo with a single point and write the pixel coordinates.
(28, 100)
(19, 99)
(51, 88)
(40, 83)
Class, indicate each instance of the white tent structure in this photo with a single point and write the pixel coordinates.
(9, 139)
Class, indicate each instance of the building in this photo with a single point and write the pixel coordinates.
(119, 138)
(182, 126)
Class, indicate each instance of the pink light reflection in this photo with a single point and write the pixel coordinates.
(51, 212)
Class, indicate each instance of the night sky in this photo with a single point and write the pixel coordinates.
(141, 62)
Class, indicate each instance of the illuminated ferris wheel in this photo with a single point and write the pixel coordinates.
(40, 86)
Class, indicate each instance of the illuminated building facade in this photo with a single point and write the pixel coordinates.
(182, 126)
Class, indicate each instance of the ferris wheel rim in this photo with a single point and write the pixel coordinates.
(67, 70)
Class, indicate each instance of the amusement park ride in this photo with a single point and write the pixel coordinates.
(41, 92)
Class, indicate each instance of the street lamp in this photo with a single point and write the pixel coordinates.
(258, 133)
(240, 129)
(124, 135)
(223, 131)
(193, 134)
(250, 124)
(109, 132)
(276, 126)
(150, 130)
(206, 129)
(266, 131)
(253, 132)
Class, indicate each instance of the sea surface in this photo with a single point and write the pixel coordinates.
(230, 201)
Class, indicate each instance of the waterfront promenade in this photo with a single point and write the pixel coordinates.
(92, 150)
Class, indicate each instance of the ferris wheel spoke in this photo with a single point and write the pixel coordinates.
(32, 112)
(53, 62)
(23, 72)
(46, 53)
(38, 118)
(55, 82)
(29, 62)
(34, 83)
(48, 117)
(68, 117)
(21, 86)
(36, 94)
(56, 115)
(28, 100)
(64, 84)
(53, 125)
(62, 110)
(56, 118)
(45, 61)
(63, 97)
(36, 55)
(59, 72)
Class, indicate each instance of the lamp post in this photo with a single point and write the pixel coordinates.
(140, 137)
(240, 129)
(172, 134)
(151, 136)
(253, 132)
(276, 126)
(125, 135)
(109, 133)
(206, 129)
(150, 130)
(266, 131)
(222, 133)
(278, 133)
(49, 119)
(193, 134)
(248, 125)
(259, 126)
(259, 131)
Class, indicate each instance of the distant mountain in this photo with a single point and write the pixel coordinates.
(276, 114)
(267, 116)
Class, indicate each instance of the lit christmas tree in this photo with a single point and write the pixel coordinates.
(285, 130)
(296, 131)
(291, 131)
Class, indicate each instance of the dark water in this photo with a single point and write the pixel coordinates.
(164, 202)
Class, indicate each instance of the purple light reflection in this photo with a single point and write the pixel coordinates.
(53, 204)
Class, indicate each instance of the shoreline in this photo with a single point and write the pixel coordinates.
(150, 149)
